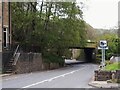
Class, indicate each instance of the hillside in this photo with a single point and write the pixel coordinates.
(91, 32)
(103, 31)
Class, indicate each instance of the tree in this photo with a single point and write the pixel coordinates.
(112, 40)
(53, 26)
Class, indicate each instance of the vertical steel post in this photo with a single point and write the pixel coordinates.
(102, 57)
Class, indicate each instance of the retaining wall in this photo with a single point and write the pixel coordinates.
(30, 62)
(106, 75)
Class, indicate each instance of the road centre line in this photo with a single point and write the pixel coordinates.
(48, 80)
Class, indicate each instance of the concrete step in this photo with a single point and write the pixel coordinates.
(9, 65)
(11, 61)
(8, 71)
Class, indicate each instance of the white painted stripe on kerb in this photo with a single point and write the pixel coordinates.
(49, 80)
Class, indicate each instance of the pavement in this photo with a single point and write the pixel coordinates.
(3, 75)
(103, 84)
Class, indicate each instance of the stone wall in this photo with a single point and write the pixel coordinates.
(6, 23)
(102, 75)
(0, 36)
(106, 75)
(117, 76)
(5, 14)
(0, 26)
(30, 62)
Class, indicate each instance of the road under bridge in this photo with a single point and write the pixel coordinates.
(90, 51)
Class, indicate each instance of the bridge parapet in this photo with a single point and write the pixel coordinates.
(91, 45)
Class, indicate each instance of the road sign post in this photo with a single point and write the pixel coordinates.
(103, 47)
(102, 58)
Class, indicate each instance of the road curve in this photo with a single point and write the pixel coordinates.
(73, 76)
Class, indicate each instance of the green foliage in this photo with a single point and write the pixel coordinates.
(98, 58)
(113, 42)
(91, 32)
(114, 66)
(53, 58)
(53, 27)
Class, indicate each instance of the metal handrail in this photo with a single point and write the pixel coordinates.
(15, 51)
(16, 58)
(14, 55)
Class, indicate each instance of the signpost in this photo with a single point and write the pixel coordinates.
(103, 46)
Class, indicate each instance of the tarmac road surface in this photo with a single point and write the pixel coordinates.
(72, 76)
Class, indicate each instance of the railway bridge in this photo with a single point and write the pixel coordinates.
(90, 50)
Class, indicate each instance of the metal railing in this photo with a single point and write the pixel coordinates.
(16, 55)
(16, 58)
(16, 51)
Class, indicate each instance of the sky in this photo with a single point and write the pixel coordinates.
(101, 14)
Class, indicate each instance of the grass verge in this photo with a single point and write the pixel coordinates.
(113, 66)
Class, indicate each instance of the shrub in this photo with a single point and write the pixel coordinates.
(53, 58)
(114, 66)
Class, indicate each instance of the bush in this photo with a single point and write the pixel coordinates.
(114, 66)
(98, 58)
(53, 58)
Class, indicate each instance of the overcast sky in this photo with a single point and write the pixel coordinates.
(101, 13)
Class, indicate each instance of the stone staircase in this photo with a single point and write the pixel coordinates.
(10, 66)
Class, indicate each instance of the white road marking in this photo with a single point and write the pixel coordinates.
(35, 84)
(49, 80)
